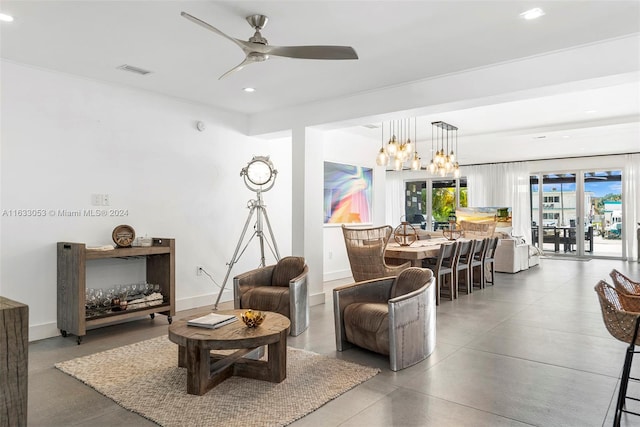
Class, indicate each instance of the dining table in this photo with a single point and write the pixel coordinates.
(416, 252)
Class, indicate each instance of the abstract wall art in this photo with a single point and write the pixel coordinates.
(347, 194)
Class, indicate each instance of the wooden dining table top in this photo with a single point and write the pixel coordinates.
(419, 250)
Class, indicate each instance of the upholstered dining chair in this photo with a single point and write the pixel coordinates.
(462, 266)
(477, 263)
(621, 315)
(394, 316)
(489, 260)
(444, 270)
(365, 249)
(281, 288)
(624, 284)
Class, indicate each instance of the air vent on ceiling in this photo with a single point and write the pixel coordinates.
(133, 69)
(370, 126)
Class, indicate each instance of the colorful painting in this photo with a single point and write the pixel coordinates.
(478, 214)
(347, 194)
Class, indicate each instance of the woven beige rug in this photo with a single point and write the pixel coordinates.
(145, 378)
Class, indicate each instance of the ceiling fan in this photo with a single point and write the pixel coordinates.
(257, 49)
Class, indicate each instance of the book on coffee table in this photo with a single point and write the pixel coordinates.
(212, 320)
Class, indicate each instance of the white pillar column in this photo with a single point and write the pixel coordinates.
(307, 154)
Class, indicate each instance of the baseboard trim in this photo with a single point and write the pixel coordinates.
(336, 275)
(50, 329)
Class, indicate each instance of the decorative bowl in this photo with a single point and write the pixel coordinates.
(253, 319)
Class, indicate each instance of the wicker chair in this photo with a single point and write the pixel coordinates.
(624, 284)
(621, 315)
(473, 229)
(365, 248)
(394, 316)
(281, 288)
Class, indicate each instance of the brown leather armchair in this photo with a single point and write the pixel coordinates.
(280, 288)
(394, 316)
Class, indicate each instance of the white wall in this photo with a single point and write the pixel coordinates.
(64, 138)
(344, 147)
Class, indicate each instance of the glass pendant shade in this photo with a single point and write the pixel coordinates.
(444, 142)
(382, 159)
(415, 163)
(392, 147)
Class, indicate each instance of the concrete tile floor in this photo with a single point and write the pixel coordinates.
(531, 350)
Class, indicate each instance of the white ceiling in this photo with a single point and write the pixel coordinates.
(397, 42)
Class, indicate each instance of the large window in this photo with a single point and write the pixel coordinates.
(429, 203)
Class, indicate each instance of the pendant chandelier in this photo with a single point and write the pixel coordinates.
(399, 149)
(444, 145)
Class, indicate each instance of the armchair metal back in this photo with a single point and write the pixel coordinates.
(365, 248)
(280, 288)
(394, 316)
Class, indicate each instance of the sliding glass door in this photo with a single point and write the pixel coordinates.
(603, 196)
(577, 213)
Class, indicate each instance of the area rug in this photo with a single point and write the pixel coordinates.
(145, 378)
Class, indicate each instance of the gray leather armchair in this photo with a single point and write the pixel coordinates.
(394, 316)
(280, 288)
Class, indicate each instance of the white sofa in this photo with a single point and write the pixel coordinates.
(511, 256)
(514, 254)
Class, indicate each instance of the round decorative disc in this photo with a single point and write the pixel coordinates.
(123, 235)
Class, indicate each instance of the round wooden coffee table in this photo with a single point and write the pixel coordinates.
(206, 370)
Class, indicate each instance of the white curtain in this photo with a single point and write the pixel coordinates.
(394, 206)
(502, 185)
(631, 198)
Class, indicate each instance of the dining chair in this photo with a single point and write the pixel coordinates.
(621, 315)
(365, 249)
(462, 266)
(488, 263)
(443, 270)
(477, 263)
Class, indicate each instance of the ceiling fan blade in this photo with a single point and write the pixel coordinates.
(250, 59)
(312, 52)
(243, 44)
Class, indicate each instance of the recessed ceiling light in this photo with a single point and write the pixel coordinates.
(532, 13)
(566, 136)
(6, 18)
(248, 89)
(590, 111)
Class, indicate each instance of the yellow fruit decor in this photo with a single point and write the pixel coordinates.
(252, 318)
